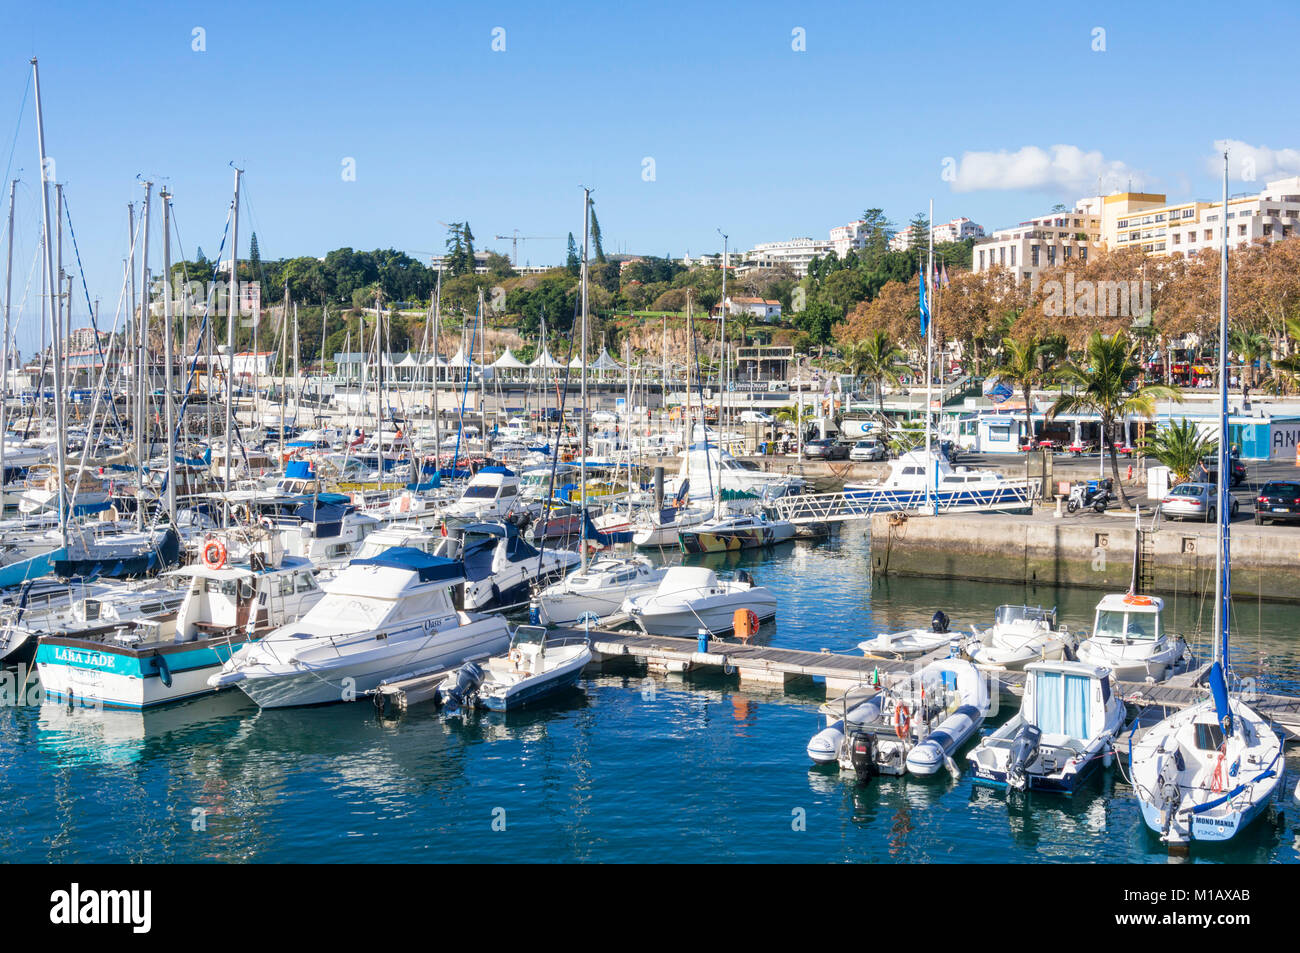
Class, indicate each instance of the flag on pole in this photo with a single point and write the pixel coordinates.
(944, 277)
(925, 305)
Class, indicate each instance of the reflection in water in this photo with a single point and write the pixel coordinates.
(626, 767)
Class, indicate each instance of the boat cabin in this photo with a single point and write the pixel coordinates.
(1126, 618)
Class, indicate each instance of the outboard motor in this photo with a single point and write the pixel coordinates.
(1023, 751)
(742, 575)
(940, 622)
(468, 679)
(862, 754)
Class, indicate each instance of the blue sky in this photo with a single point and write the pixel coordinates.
(746, 133)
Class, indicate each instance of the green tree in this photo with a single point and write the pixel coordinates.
(1180, 446)
(573, 261)
(878, 359)
(595, 236)
(1106, 384)
(1022, 369)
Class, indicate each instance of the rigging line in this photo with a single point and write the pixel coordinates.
(94, 323)
(22, 107)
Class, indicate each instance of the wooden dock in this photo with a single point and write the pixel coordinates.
(779, 667)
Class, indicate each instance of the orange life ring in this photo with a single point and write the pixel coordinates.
(902, 721)
(1133, 600)
(214, 554)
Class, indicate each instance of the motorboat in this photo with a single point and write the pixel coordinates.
(1068, 721)
(326, 533)
(501, 568)
(380, 618)
(599, 589)
(534, 669)
(1129, 638)
(916, 723)
(912, 643)
(47, 606)
(228, 603)
(738, 531)
(1019, 635)
(919, 479)
(691, 598)
(492, 493)
(663, 527)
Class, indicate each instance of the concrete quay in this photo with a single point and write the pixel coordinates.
(1089, 550)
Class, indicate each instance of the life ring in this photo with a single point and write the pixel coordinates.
(214, 554)
(1133, 600)
(266, 523)
(902, 721)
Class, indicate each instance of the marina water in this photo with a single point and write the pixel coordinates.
(624, 768)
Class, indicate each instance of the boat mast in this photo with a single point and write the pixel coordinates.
(582, 465)
(166, 198)
(1222, 542)
(52, 286)
(4, 345)
(142, 390)
(931, 470)
(437, 426)
(231, 311)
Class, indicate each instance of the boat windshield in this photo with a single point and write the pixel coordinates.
(1112, 624)
(1009, 614)
(480, 492)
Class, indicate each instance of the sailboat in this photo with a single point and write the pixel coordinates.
(1206, 772)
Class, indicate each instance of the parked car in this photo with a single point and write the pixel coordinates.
(869, 449)
(1278, 500)
(1209, 470)
(1193, 501)
(755, 417)
(826, 450)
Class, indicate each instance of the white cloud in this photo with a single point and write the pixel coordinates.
(1058, 169)
(1246, 163)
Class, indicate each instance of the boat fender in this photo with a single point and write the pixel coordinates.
(164, 670)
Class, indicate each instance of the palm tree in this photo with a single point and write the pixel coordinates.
(1106, 384)
(1180, 447)
(1021, 368)
(878, 359)
(1249, 346)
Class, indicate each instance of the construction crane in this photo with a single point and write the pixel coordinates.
(516, 238)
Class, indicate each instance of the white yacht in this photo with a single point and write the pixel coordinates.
(690, 598)
(1129, 638)
(143, 662)
(918, 477)
(501, 568)
(380, 618)
(1019, 635)
(492, 493)
(599, 590)
(1068, 721)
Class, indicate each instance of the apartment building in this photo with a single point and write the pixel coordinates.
(797, 254)
(1039, 243)
(957, 230)
(1179, 230)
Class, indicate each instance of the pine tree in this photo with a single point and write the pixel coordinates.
(595, 235)
(255, 255)
(571, 261)
(470, 261)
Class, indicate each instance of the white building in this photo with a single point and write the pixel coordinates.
(796, 254)
(1184, 229)
(764, 308)
(957, 230)
(850, 237)
(1039, 243)
(249, 363)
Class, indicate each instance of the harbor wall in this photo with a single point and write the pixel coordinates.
(1085, 551)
